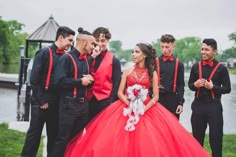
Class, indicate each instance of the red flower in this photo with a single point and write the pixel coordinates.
(136, 92)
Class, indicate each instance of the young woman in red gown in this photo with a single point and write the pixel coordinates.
(136, 125)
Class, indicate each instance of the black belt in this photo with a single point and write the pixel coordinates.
(81, 99)
(78, 99)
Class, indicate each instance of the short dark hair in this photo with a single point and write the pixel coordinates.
(167, 38)
(64, 31)
(102, 30)
(210, 42)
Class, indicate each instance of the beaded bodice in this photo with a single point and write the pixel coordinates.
(139, 76)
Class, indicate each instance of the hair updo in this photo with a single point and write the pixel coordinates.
(82, 31)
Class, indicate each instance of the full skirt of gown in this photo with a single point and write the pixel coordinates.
(157, 134)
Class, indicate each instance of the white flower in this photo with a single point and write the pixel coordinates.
(136, 94)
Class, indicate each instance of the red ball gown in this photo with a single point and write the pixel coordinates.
(157, 133)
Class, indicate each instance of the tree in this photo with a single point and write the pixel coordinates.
(125, 54)
(228, 53)
(232, 37)
(115, 46)
(10, 40)
(231, 52)
(4, 34)
(156, 45)
(188, 49)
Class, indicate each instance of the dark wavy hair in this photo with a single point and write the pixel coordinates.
(102, 30)
(150, 60)
(167, 38)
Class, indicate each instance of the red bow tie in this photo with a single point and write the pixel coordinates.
(62, 52)
(103, 53)
(165, 58)
(207, 63)
(82, 57)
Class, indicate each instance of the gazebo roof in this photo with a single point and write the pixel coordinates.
(46, 32)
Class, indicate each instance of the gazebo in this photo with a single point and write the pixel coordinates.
(46, 33)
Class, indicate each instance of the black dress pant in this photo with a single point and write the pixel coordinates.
(208, 113)
(73, 116)
(96, 106)
(38, 118)
(169, 101)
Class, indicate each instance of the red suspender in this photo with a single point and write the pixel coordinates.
(158, 72)
(49, 68)
(214, 70)
(212, 73)
(210, 77)
(75, 73)
(200, 76)
(175, 76)
(176, 73)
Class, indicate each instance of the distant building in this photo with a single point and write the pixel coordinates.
(231, 63)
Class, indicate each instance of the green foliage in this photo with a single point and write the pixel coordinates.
(188, 49)
(32, 48)
(4, 33)
(11, 142)
(115, 46)
(228, 53)
(127, 54)
(10, 40)
(156, 45)
(232, 37)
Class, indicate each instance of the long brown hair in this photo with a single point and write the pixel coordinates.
(150, 60)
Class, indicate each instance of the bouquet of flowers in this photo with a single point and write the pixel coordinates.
(136, 94)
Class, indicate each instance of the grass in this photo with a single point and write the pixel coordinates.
(11, 142)
(229, 145)
(232, 71)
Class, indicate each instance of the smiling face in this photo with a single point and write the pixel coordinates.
(207, 52)
(65, 42)
(102, 42)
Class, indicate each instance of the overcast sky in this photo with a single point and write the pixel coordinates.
(131, 21)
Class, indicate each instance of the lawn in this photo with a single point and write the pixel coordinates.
(232, 71)
(11, 142)
(229, 145)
